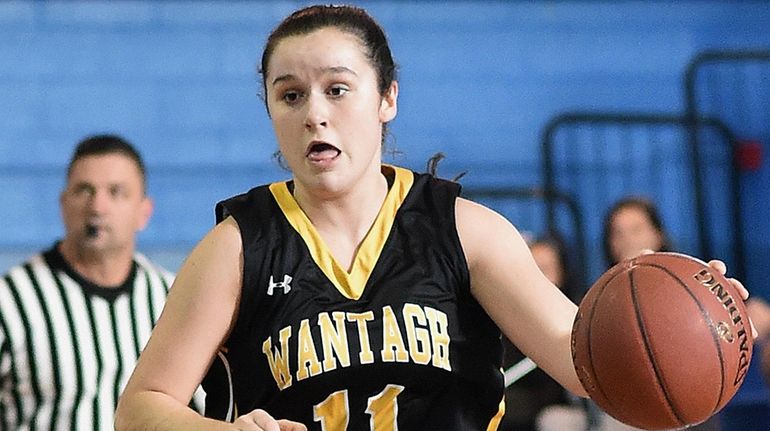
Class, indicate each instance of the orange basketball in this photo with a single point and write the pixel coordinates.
(662, 341)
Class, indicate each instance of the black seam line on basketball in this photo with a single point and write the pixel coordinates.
(588, 335)
(712, 328)
(647, 347)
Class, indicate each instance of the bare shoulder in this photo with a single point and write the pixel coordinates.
(477, 218)
(216, 261)
(221, 242)
(225, 234)
(484, 232)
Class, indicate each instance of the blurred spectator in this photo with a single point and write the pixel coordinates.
(632, 225)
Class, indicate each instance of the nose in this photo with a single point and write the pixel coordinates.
(99, 201)
(316, 112)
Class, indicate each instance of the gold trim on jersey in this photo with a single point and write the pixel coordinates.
(350, 284)
(498, 417)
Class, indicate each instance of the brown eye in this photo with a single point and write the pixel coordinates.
(83, 190)
(290, 97)
(117, 191)
(338, 91)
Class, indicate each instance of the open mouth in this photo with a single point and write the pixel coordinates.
(93, 229)
(319, 151)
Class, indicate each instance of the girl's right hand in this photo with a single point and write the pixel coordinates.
(260, 420)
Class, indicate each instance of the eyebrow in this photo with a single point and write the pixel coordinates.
(327, 70)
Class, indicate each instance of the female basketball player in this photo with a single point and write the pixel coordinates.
(357, 295)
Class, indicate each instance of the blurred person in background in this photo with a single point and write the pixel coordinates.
(632, 225)
(74, 317)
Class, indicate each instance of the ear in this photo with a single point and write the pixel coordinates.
(62, 199)
(145, 211)
(389, 103)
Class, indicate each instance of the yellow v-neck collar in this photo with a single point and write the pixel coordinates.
(350, 284)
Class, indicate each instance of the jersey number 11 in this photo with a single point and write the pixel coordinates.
(383, 408)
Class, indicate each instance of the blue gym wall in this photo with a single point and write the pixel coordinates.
(479, 80)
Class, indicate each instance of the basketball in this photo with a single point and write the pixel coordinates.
(662, 341)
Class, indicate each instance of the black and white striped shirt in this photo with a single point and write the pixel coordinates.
(68, 346)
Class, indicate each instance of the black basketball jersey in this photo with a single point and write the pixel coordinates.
(398, 342)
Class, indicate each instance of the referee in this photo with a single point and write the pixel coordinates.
(74, 318)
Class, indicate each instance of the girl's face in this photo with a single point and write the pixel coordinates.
(631, 232)
(326, 110)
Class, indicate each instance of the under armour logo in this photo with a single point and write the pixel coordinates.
(281, 284)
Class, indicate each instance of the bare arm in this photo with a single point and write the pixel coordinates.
(533, 313)
(199, 312)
